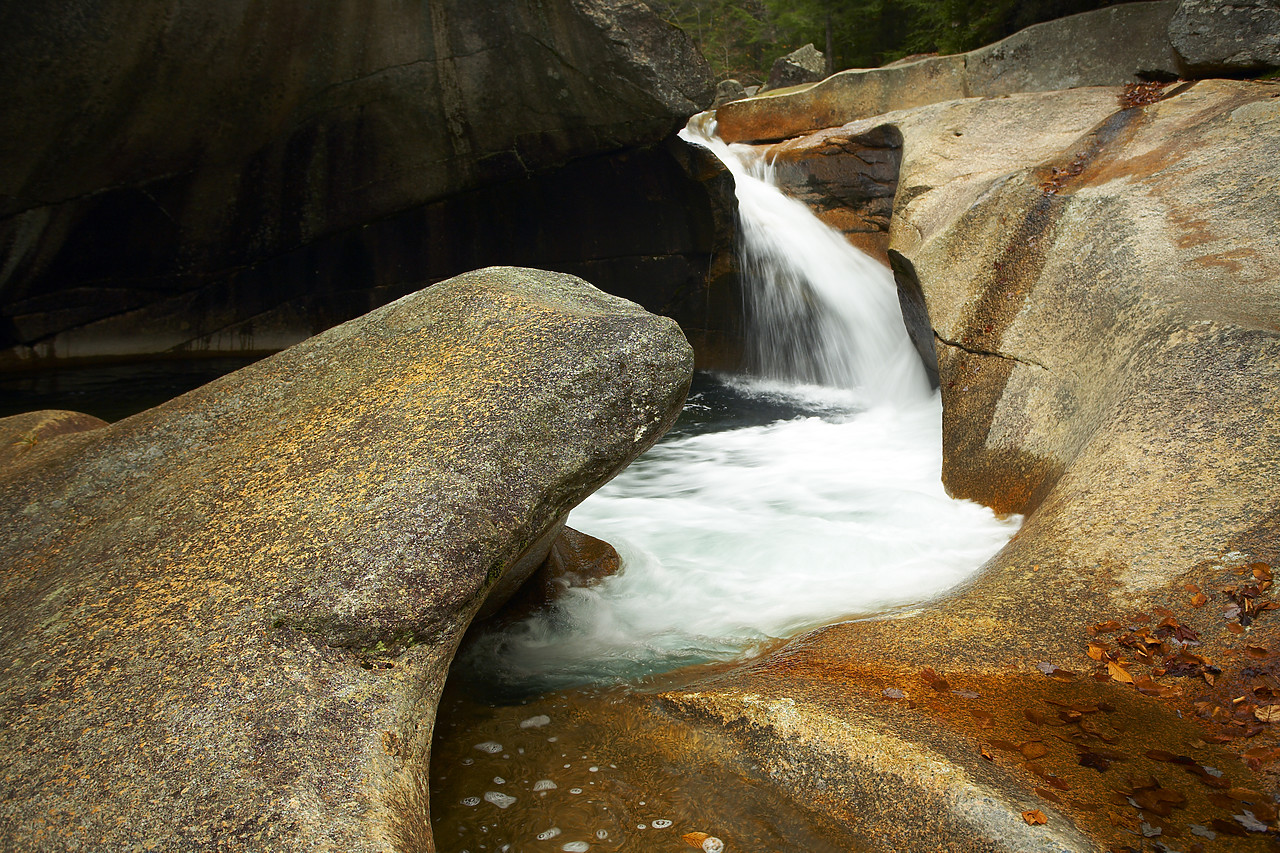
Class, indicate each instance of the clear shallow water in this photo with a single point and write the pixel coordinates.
(589, 769)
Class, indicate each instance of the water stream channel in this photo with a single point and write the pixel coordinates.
(806, 492)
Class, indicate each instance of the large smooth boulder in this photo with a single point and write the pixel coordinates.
(1213, 37)
(1107, 47)
(240, 176)
(1100, 272)
(227, 619)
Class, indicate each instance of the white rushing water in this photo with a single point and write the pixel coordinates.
(806, 496)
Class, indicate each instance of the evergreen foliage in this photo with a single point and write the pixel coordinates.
(742, 38)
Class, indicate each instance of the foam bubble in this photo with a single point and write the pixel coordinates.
(549, 834)
(576, 847)
(489, 746)
(471, 801)
(661, 823)
(499, 799)
(544, 785)
(536, 722)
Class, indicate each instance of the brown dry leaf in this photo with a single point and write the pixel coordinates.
(1227, 827)
(1097, 651)
(937, 682)
(1246, 795)
(1261, 571)
(1190, 587)
(695, 839)
(1035, 817)
(1235, 627)
(1256, 652)
(983, 719)
(1046, 794)
(1118, 673)
(1105, 627)
(985, 753)
(1006, 745)
(1199, 599)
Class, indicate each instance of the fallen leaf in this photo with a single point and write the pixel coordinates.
(1268, 713)
(1235, 627)
(937, 682)
(1199, 599)
(699, 840)
(1246, 795)
(1119, 673)
(1250, 822)
(985, 753)
(1226, 827)
(1097, 651)
(1256, 652)
(1046, 794)
(1035, 817)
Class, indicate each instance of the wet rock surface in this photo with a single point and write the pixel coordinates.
(228, 618)
(1100, 274)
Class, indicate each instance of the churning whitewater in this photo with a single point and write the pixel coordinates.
(808, 493)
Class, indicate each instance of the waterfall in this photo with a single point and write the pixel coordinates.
(806, 492)
(819, 310)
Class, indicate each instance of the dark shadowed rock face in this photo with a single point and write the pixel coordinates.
(227, 619)
(157, 155)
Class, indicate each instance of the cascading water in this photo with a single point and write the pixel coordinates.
(807, 493)
(820, 312)
(829, 504)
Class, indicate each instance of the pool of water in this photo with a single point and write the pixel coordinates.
(768, 510)
(110, 391)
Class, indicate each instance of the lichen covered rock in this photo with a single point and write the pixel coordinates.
(228, 618)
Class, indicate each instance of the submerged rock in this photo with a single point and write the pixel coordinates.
(228, 618)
